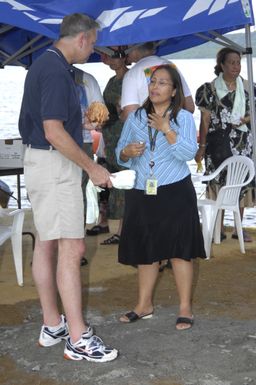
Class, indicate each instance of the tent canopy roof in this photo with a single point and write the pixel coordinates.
(27, 27)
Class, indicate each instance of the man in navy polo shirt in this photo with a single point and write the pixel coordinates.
(51, 126)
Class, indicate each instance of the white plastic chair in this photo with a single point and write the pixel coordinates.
(240, 172)
(14, 232)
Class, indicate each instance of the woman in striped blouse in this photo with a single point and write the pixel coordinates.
(161, 218)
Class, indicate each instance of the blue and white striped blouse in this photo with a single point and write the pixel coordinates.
(170, 159)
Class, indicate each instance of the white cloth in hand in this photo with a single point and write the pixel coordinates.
(123, 180)
(92, 206)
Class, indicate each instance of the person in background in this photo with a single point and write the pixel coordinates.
(89, 92)
(161, 217)
(111, 202)
(135, 83)
(50, 124)
(102, 226)
(224, 107)
(111, 132)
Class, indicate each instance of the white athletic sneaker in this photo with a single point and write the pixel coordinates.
(48, 337)
(90, 348)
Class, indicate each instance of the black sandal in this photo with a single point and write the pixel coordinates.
(83, 262)
(132, 317)
(184, 320)
(114, 240)
(98, 229)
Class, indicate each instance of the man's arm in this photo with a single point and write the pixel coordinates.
(189, 104)
(126, 110)
(64, 143)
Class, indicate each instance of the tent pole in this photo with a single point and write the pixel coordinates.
(251, 88)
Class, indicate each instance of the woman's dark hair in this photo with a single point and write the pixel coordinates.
(221, 58)
(177, 101)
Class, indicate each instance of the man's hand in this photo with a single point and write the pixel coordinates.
(99, 176)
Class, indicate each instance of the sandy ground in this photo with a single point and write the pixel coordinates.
(220, 349)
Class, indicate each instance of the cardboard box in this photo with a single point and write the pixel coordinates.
(11, 153)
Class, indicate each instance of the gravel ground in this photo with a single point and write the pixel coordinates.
(218, 351)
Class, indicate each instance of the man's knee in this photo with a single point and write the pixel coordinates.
(72, 248)
(81, 248)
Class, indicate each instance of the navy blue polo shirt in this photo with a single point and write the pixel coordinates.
(50, 93)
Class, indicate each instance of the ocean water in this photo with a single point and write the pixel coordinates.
(196, 72)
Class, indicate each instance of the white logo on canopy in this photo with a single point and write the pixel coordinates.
(124, 16)
(203, 5)
(121, 17)
(16, 5)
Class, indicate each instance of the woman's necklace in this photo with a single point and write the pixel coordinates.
(230, 85)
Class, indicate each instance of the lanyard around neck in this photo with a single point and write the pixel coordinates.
(152, 138)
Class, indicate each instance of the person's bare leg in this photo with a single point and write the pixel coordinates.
(222, 222)
(114, 239)
(183, 274)
(147, 276)
(241, 212)
(44, 274)
(69, 284)
(120, 227)
(103, 219)
(241, 209)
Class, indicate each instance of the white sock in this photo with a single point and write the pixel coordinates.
(55, 328)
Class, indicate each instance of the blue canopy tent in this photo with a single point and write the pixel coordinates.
(27, 27)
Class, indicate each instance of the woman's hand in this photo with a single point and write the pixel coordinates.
(158, 122)
(245, 120)
(133, 150)
(200, 154)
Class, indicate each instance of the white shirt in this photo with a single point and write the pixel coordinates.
(93, 94)
(135, 85)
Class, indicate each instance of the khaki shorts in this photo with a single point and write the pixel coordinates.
(53, 183)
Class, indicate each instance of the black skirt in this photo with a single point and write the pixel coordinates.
(161, 227)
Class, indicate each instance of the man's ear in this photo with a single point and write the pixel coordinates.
(81, 36)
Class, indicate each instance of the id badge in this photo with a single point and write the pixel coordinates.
(151, 186)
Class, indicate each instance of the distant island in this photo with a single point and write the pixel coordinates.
(209, 50)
